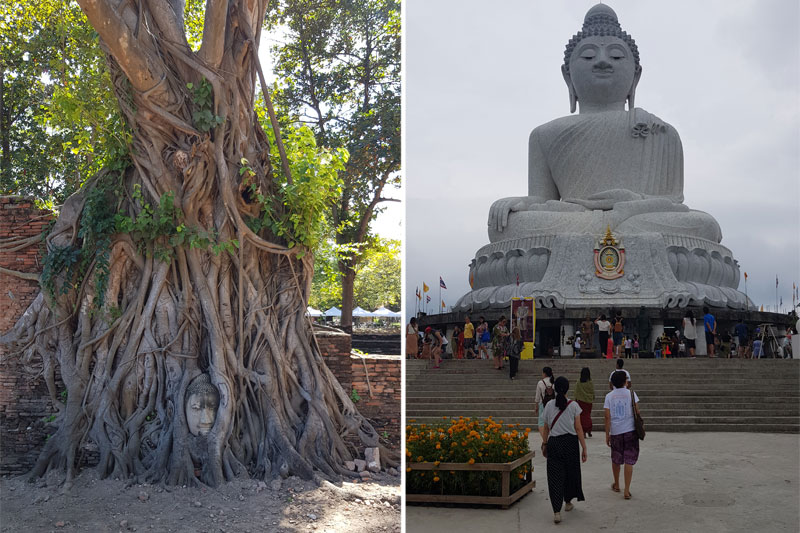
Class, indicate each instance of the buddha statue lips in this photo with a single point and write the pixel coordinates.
(605, 166)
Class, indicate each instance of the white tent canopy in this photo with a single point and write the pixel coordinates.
(358, 311)
(333, 311)
(383, 312)
(310, 311)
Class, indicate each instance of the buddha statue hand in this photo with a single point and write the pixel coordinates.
(501, 209)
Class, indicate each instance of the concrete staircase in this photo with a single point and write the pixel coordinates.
(675, 394)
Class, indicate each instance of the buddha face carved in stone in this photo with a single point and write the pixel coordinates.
(602, 70)
(202, 401)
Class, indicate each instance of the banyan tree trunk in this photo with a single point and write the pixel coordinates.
(169, 313)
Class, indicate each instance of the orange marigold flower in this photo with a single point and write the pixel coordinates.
(408, 469)
(436, 478)
(510, 453)
(438, 445)
(420, 459)
(471, 461)
(437, 463)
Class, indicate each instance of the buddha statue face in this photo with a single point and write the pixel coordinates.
(202, 401)
(602, 71)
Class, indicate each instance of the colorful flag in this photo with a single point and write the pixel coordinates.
(419, 295)
(762, 308)
(442, 304)
(745, 276)
(428, 299)
(471, 280)
(425, 287)
(441, 283)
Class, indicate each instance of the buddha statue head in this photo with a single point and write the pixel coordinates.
(601, 63)
(202, 400)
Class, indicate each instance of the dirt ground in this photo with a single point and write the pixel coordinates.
(240, 506)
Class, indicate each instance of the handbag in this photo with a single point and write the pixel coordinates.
(638, 423)
(544, 444)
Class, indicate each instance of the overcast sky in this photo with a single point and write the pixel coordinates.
(478, 79)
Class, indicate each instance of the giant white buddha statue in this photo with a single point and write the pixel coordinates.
(606, 170)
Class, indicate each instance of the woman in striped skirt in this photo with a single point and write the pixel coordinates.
(562, 434)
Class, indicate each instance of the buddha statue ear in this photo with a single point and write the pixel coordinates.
(573, 98)
(632, 92)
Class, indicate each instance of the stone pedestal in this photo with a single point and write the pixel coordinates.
(567, 349)
(656, 330)
(700, 344)
(660, 271)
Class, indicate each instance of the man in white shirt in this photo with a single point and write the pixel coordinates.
(620, 363)
(620, 430)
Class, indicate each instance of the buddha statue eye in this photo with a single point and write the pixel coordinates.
(588, 54)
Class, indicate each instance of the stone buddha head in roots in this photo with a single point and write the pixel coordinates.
(202, 401)
(601, 64)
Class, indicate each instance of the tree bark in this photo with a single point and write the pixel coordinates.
(129, 350)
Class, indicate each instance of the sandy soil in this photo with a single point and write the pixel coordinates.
(240, 506)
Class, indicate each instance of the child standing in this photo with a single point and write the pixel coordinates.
(636, 346)
(682, 348)
(628, 346)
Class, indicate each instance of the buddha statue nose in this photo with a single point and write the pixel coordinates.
(603, 65)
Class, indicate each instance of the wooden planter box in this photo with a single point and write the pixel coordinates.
(505, 500)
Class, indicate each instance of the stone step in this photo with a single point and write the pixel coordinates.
(666, 402)
(678, 388)
(463, 407)
(655, 425)
(636, 377)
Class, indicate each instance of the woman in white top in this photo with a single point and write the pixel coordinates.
(689, 331)
(621, 434)
(542, 394)
(603, 328)
(562, 433)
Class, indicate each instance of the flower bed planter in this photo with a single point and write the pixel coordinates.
(505, 499)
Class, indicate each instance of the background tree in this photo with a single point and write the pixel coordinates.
(58, 116)
(340, 73)
(187, 254)
(378, 277)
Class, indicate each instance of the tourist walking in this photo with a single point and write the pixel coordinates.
(620, 364)
(412, 339)
(544, 393)
(483, 338)
(741, 336)
(621, 434)
(690, 331)
(710, 327)
(562, 434)
(603, 328)
(584, 395)
(469, 338)
(457, 343)
(432, 344)
(515, 352)
(499, 343)
(617, 335)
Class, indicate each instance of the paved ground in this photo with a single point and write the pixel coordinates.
(710, 482)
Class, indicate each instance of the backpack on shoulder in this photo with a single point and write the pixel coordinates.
(549, 393)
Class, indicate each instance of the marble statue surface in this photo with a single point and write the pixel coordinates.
(608, 167)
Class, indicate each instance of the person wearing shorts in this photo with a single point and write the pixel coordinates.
(620, 430)
(469, 339)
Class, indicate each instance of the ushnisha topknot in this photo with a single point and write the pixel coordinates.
(600, 21)
(201, 385)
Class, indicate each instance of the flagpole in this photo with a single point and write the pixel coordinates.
(776, 293)
(440, 295)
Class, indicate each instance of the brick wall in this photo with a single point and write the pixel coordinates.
(382, 406)
(24, 402)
